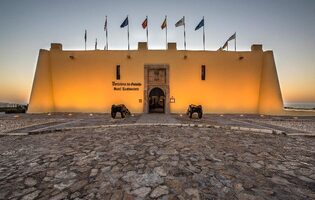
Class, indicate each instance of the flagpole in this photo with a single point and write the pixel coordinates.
(128, 34)
(235, 41)
(147, 33)
(204, 37)
(166, 31)
(106, 34)
(184, 33)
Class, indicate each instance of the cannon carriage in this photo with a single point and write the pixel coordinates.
(194, 109)
(121, 108)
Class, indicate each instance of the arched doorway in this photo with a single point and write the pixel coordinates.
(156, 101)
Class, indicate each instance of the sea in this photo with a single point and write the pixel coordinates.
(300, 105)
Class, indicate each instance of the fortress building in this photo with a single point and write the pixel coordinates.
(164, 81)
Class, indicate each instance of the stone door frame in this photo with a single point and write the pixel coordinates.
(149, 86)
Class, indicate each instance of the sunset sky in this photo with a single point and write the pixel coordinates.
(285, 26)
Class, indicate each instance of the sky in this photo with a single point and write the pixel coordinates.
(285, 26)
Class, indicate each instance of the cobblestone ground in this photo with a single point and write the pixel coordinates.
(307, 125)
(156, 162)
(38, 122)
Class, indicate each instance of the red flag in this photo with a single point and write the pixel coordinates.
(145, 23)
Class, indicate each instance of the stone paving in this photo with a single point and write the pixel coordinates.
(157, 118)
(306, 125)
(156, 162)
(26, 123)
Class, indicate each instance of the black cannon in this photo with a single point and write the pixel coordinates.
(122, 109)
(194, 109)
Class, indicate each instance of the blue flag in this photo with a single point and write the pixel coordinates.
(125, 23)
(201, 24)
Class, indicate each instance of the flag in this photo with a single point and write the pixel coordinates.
(181, 22)
(225, 45)
(201, 24)
(145, 23)
(164, 24)
(105, 25)
(85, 36)
(106, 33)
(95, 43)
(232, 37)
(125, 23)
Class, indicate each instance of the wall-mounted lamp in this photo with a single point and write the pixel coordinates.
(241, 57)
(185, 56)
(71, 57)
(172, 100)
(128, 56)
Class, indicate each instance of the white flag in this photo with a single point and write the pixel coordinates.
(181, 22)
(232, 37)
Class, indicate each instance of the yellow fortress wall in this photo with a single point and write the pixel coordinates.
(82, 81)
(42, 99)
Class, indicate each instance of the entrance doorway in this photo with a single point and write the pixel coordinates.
(156, 93)
(156, 101)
